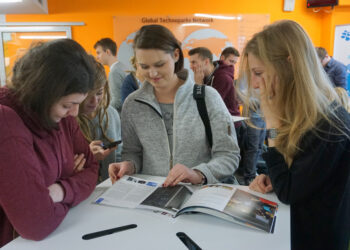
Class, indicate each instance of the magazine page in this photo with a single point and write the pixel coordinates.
(252, 210)
(127, 192)
(233, 204)
(167, 199)
(215, 196)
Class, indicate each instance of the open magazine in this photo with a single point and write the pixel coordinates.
(220, 200)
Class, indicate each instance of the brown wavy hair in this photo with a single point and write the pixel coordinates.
(48, 72)
(159, 37)
(100, 80)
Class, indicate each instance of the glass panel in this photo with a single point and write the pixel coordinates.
(15, 44)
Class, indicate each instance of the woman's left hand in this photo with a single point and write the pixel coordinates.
(181, 173)
(79, 162)
(262, 184)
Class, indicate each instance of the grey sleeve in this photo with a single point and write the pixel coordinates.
(114, 125)
(114, 133)
(132, 148)
(114, 129)
(225, 151)
(115, 80)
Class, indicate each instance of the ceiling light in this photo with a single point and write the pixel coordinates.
(11, 1)
(42, 37)
(195, 24)
(216, 16)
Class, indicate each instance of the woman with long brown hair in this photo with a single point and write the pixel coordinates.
(41, 177)
(100, 122)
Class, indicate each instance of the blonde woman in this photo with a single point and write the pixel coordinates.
(344, 97)
(100, 122)
(308, 135)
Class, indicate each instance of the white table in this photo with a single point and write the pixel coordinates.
(155, 231)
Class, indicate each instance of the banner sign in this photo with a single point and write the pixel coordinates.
(341, 51)
(215, 32)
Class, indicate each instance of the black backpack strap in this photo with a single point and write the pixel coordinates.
(199, 96)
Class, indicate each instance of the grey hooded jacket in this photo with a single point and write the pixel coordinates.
(146, 142)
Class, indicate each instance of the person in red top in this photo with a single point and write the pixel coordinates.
(217, 74)
(46, 166)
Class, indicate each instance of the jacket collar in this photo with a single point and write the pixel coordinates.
(330, 63)
(208, 80)
(146, 93)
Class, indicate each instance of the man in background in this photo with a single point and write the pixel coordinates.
(106, 50)
(230, 56)
(336, 70)
(218, 74)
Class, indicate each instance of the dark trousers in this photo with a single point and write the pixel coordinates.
(251, 141)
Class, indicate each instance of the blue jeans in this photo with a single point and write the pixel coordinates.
(251, 145)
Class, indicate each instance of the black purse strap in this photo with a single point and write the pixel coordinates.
(199, 96)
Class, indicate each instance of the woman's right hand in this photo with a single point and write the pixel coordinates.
(56, 192)
(199, 75)
(98, 151)
(118, 170)
(262, 184)
(268, 105)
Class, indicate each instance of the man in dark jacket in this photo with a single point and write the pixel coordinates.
(216, 74)
(335, 70)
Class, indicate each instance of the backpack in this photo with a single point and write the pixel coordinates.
(199, 96)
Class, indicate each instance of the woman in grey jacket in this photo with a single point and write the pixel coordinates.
(163, 133)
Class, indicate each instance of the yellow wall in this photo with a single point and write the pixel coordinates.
(98, 15)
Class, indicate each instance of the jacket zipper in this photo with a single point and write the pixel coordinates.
(150, 106)
(170, 153)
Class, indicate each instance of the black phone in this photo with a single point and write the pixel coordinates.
(189, 243)
(111, 144)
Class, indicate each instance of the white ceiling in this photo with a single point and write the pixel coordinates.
(24, 7)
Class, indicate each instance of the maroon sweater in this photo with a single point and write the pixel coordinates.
(31, 159)
(222, 81)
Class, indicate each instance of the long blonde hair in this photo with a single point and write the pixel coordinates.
(344, 97)
(304, 93)
(84, 121)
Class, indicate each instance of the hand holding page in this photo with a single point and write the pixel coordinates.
(224, 201)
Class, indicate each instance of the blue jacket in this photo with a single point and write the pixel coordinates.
(336, 72)
(129, 85)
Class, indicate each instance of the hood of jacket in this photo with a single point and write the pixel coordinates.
(146, 93)
(29, 118)
(224, 68)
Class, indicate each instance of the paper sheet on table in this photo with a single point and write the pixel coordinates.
(238, 118)
(128, 192)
